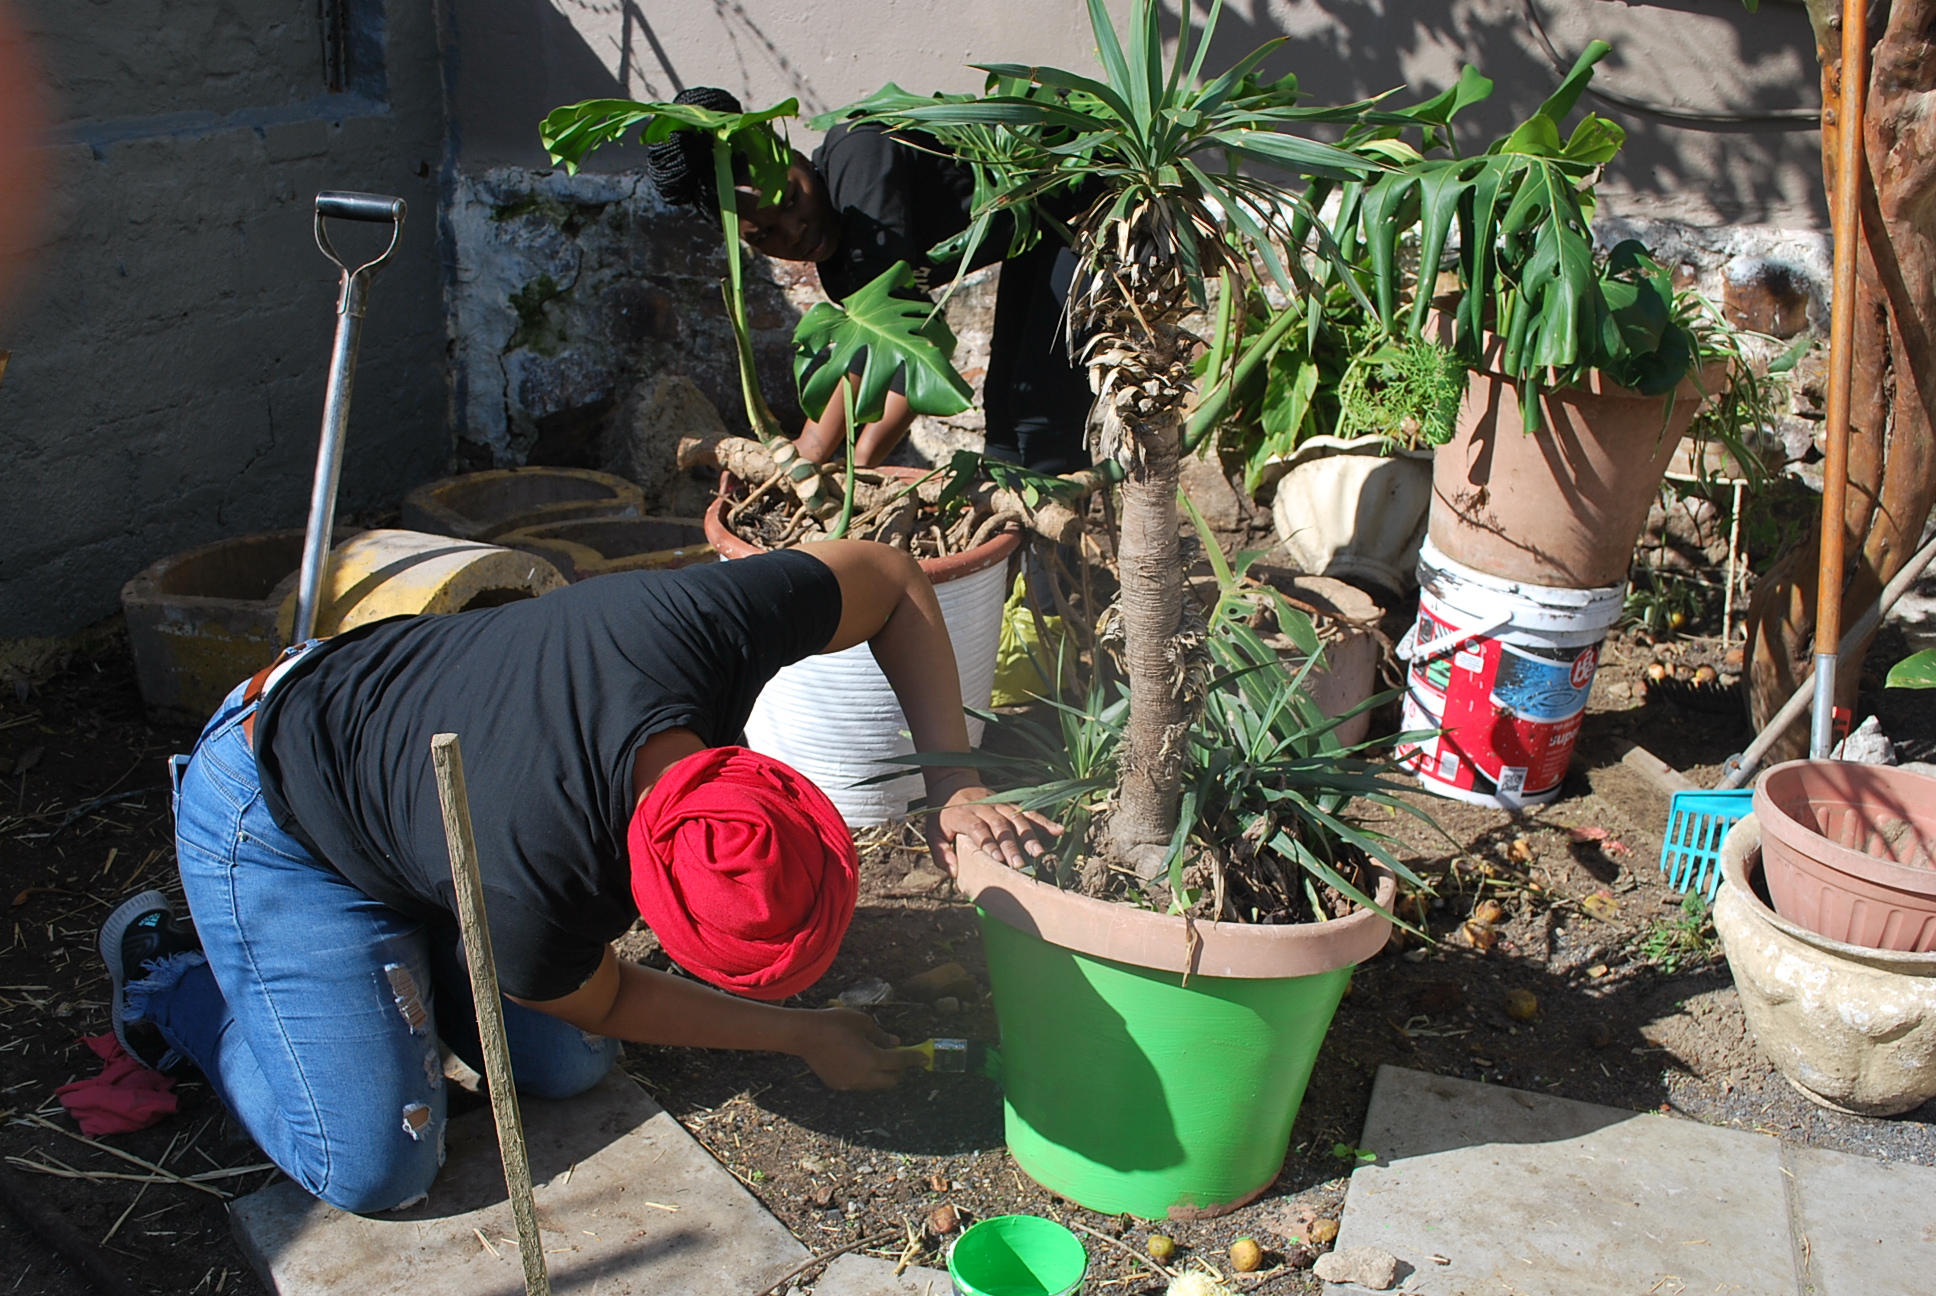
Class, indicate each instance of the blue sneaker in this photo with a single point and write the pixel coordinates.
(143, 931)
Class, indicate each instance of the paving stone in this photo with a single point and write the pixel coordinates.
(1870, 1226)
(605, 1166)
(859, 1275)
(1543, 1196)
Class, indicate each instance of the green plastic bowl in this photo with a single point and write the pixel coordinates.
(1017, 1255)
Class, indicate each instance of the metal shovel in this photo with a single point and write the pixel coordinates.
(336, 397)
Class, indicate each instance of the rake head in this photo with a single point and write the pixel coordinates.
(1690, 856)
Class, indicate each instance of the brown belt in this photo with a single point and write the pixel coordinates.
(251, 692)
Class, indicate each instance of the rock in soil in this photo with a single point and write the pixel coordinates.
(1366, 1266)
(950, 980)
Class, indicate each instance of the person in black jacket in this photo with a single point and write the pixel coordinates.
(867, 199)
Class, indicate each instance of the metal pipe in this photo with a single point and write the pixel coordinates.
(1742, 767)
(1841, 363)
(350, 300)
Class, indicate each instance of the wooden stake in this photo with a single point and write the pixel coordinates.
(448, 760)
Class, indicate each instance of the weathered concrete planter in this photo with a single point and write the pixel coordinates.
(202, 620)
(381, 574)
(484, 505)
(1347, 620)
(1853, 1029)
(1347, 509)
(834, 716)
(1143, 1071)
(587, 547)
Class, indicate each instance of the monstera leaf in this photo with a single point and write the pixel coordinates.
(571, 132)
(1918, 671)
(877, 335)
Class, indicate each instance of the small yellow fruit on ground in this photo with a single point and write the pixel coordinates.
(1522, 1005)
(943, 1220)
(1161, 1247)
(1246, 1256)
(1324, 1232)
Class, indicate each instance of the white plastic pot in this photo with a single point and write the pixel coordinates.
(835, 718)
(1346, 509)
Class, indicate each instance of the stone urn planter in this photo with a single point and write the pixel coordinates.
(1564, 506)
(1850, 851)
(586, 547)
(1852, 1028)
(1144, 1071)
(484, 505)
(834, 717)
(1346, 509)
(386, 573)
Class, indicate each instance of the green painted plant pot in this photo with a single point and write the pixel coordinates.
(1131, 1088)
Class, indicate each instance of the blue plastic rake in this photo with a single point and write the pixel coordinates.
(1690, 856)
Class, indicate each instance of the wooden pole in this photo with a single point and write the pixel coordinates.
(1841, 361)
(448, 760)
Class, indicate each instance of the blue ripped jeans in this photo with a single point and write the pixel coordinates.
(316, 1011)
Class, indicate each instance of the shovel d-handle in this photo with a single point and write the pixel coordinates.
(351, 295)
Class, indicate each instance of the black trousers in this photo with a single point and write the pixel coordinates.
(1037, 401)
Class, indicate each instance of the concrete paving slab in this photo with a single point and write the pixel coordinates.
(628, 1203)
(1481, 1190)
(1863, 1227)
(859, 1275)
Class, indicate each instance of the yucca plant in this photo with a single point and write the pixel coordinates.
(1159, 155)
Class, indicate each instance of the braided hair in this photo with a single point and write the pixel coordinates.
(681, 166)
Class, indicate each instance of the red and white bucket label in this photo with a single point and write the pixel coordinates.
(1510, 714)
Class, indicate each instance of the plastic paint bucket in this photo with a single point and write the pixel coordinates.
(1017, 1255)
(1504, 669)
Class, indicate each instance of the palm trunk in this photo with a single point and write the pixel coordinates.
(1892, 408)
(1153, 590)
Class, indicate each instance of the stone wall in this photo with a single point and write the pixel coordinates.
(171, 333)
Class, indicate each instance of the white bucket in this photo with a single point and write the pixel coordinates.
(1503, 670)
(835, 719)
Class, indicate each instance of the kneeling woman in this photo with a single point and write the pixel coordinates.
(596, 724)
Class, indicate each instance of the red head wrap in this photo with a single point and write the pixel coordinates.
(744, 871)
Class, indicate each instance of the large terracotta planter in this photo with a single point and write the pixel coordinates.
(834, 717)
(1852, 1028)
(1144, 1070)
(1564, 506)
(1850, 851)
(1347, 509)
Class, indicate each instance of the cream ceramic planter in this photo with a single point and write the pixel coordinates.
(1853, 1029)
(1347, 509)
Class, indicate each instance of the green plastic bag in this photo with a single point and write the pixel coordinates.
(1022, 660)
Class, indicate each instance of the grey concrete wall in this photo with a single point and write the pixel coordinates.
(622, 287)
(172, 334)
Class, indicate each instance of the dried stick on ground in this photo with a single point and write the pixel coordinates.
(804, 1266)
(448, 760)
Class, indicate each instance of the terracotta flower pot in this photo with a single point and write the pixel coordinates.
(1562, 507)
(1853, 1029)
(1850, 851)
(834, 718)
(1144, 1070)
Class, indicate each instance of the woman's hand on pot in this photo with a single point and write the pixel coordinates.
(848, 1050)
(1003, 831)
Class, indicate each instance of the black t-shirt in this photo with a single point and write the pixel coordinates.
(896, 200)
(551, 699)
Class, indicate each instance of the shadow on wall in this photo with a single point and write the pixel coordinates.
(1691, 56)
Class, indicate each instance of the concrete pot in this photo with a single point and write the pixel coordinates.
(1347, 621)
(1346, 509)
(484, 505)
(381, 574)
(1145, 1071)
(587, 547)
(1853, 1029)
(203, 620)
(1563, 507)
(833, 716)
(1850, 851)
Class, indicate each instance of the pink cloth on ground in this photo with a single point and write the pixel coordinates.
(125, 1097)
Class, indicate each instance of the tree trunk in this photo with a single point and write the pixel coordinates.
(1892, 405)
(1150, 565)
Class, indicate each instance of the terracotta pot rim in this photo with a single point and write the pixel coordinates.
(1831, 855)
(995, 549)
(1142, 938)
(1741, 860)
(1492, 356)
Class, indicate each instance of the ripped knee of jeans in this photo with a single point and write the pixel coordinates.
(407, 997)
(416, 1120)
